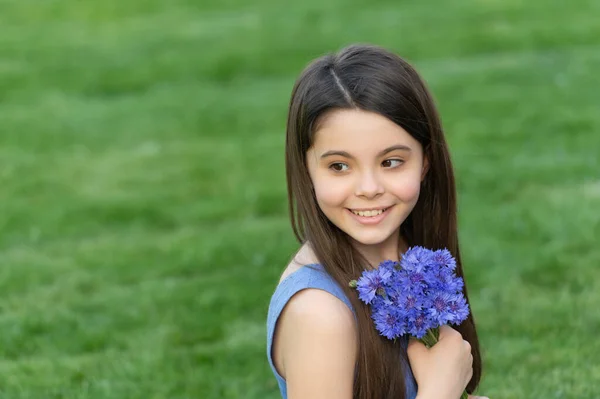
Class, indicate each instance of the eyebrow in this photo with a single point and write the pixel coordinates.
(381, 153)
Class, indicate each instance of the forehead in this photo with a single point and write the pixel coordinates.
(359, 132)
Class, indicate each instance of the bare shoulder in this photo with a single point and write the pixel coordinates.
(304, 256)
(317, 308)
(315, 345)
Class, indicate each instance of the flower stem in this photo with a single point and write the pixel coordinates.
(430, 338)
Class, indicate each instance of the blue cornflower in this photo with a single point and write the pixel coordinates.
(412, 306)
(440, 308)
(442, 278)
(371, 282)
(416, 259)
(419, 324)
(443, 257)
(381, 301)
(389, 322)
(459, 309)
(413, 282)
(389, 265)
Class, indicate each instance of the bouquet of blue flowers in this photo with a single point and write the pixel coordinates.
(415, 296)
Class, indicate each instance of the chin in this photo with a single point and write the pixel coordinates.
(370, 239)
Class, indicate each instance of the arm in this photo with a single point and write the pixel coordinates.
(317, 339)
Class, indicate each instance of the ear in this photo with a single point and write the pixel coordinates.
(425, 168)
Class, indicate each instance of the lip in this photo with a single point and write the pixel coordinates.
(370, 220)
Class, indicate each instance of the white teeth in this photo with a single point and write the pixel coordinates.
(369, 213)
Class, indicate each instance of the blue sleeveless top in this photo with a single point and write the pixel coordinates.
(311, 276)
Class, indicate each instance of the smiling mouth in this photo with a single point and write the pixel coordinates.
(369, 213)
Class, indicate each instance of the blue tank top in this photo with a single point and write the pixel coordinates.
(311, 276)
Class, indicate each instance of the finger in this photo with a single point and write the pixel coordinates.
(467, 345)
(415, 349)
(444, 330)
(447, 331)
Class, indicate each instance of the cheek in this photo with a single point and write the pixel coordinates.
(330, 192)
(407, 190)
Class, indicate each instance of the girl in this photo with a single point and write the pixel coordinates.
(368, 175)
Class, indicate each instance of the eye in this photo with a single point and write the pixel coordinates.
(338, 167)
(392, 163)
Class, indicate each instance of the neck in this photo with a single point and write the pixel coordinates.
(387, 250)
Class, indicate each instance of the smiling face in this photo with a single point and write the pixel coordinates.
(366, 172)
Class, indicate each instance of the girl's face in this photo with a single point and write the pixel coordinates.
(366, 172)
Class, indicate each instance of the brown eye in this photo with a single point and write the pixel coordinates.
(338, 166)
(391, 163)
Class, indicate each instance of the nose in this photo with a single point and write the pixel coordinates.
(368, 185)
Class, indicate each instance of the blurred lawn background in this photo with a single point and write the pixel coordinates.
(143, 219)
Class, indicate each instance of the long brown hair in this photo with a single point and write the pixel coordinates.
(373, 79)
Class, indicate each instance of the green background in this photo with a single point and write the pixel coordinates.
(143, 213)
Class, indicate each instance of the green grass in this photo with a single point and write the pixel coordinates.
(143, 219)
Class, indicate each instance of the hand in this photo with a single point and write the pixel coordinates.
(444, 370)
(478, 397)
